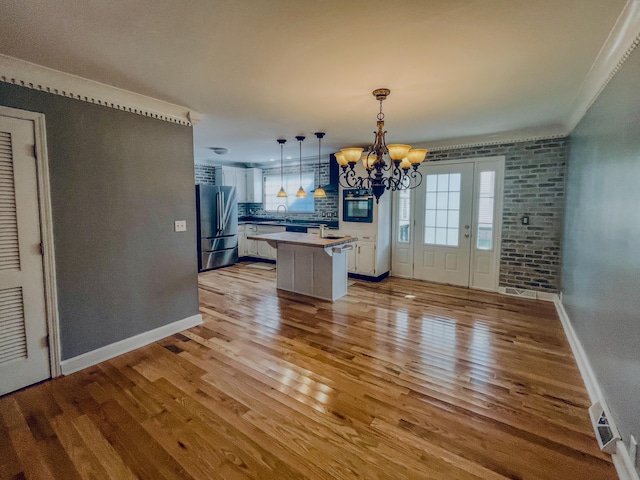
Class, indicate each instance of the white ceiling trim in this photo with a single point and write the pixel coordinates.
(499, 141)
(37, 77)
(622, 41)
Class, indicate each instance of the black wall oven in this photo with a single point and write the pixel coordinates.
(357, 205)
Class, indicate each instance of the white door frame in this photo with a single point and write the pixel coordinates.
(499, 185)
(46, 231)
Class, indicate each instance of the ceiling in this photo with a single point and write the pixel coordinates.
(262, 69)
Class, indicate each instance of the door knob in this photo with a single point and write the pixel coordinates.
(466, 235)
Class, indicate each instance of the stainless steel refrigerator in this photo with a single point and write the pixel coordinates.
(217, 214)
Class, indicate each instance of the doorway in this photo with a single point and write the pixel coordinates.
(28, 321)
(448, 230)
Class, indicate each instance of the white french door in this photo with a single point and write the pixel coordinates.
(448, 229)
(443, 224)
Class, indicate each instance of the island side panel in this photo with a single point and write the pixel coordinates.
(311, 271)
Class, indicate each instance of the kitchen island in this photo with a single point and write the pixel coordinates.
(310, 265)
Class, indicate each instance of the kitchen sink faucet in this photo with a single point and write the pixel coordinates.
(285, 211)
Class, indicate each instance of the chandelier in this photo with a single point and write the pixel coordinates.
(388, 167)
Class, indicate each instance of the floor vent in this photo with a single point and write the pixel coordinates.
(606, 432)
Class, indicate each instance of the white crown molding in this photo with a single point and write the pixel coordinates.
(622, 41)
(37, 77)
(526, 135)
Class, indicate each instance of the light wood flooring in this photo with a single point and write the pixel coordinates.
(454, 384)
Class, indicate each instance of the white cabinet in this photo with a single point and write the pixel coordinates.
(259, 248)
(242, 241)
(233, 177)
(264, 249)
(362, 259)
(248, 182)
(251, 246)
(254, 185)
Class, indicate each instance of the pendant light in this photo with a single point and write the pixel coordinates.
(319, 191)
(281, 193)
(301, 193)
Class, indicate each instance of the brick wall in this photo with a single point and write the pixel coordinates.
(205, 174)
(533, 186)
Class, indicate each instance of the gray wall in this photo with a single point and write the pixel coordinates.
(533, 185)
(601, 262)
(118, 181)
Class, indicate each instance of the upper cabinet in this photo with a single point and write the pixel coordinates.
(254, 185)
(248, 182)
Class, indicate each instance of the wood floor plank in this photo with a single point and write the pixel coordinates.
(453, 384)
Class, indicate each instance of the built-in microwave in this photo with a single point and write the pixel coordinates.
(357, 205)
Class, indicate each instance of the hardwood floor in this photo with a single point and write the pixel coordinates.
(454, 384)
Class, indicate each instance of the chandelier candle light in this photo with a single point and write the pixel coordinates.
(400, 173)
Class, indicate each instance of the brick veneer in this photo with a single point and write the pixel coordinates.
(533, 186)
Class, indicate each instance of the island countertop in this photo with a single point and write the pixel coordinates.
(305, 239)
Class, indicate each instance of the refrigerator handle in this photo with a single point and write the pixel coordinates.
(223, 214)
(218, 223)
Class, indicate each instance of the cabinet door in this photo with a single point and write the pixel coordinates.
(264, 249)
(366, 259)
(241, 184)
(351, 258)
(228, 177)
(254, 185)
(242, 244)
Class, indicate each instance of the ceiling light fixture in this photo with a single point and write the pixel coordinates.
(301, 193)
(319, 191)
(281, 193)
(401, 173)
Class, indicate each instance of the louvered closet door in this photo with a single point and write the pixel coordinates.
(24, 355)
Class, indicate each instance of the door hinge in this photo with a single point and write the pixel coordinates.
(35, 151)
(41, 249)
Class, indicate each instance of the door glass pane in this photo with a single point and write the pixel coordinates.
(430, 235)
(485, 210)
(430, 218)
(442, 209)
(404, 216)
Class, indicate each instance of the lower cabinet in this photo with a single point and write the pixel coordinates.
(258, 248)
(362, 259)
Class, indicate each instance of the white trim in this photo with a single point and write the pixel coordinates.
(588, 375)
(621, 459)
(37, 77)
(46, 231)
(623, 463)
(493, 139)
(622, 41)
(107, 352)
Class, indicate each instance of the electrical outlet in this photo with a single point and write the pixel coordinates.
(180, 226)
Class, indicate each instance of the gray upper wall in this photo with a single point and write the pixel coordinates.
(118, 182)
(601, 261)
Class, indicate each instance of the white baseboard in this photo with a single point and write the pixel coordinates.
(107, 352)
(621, 459)
(623, 463)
